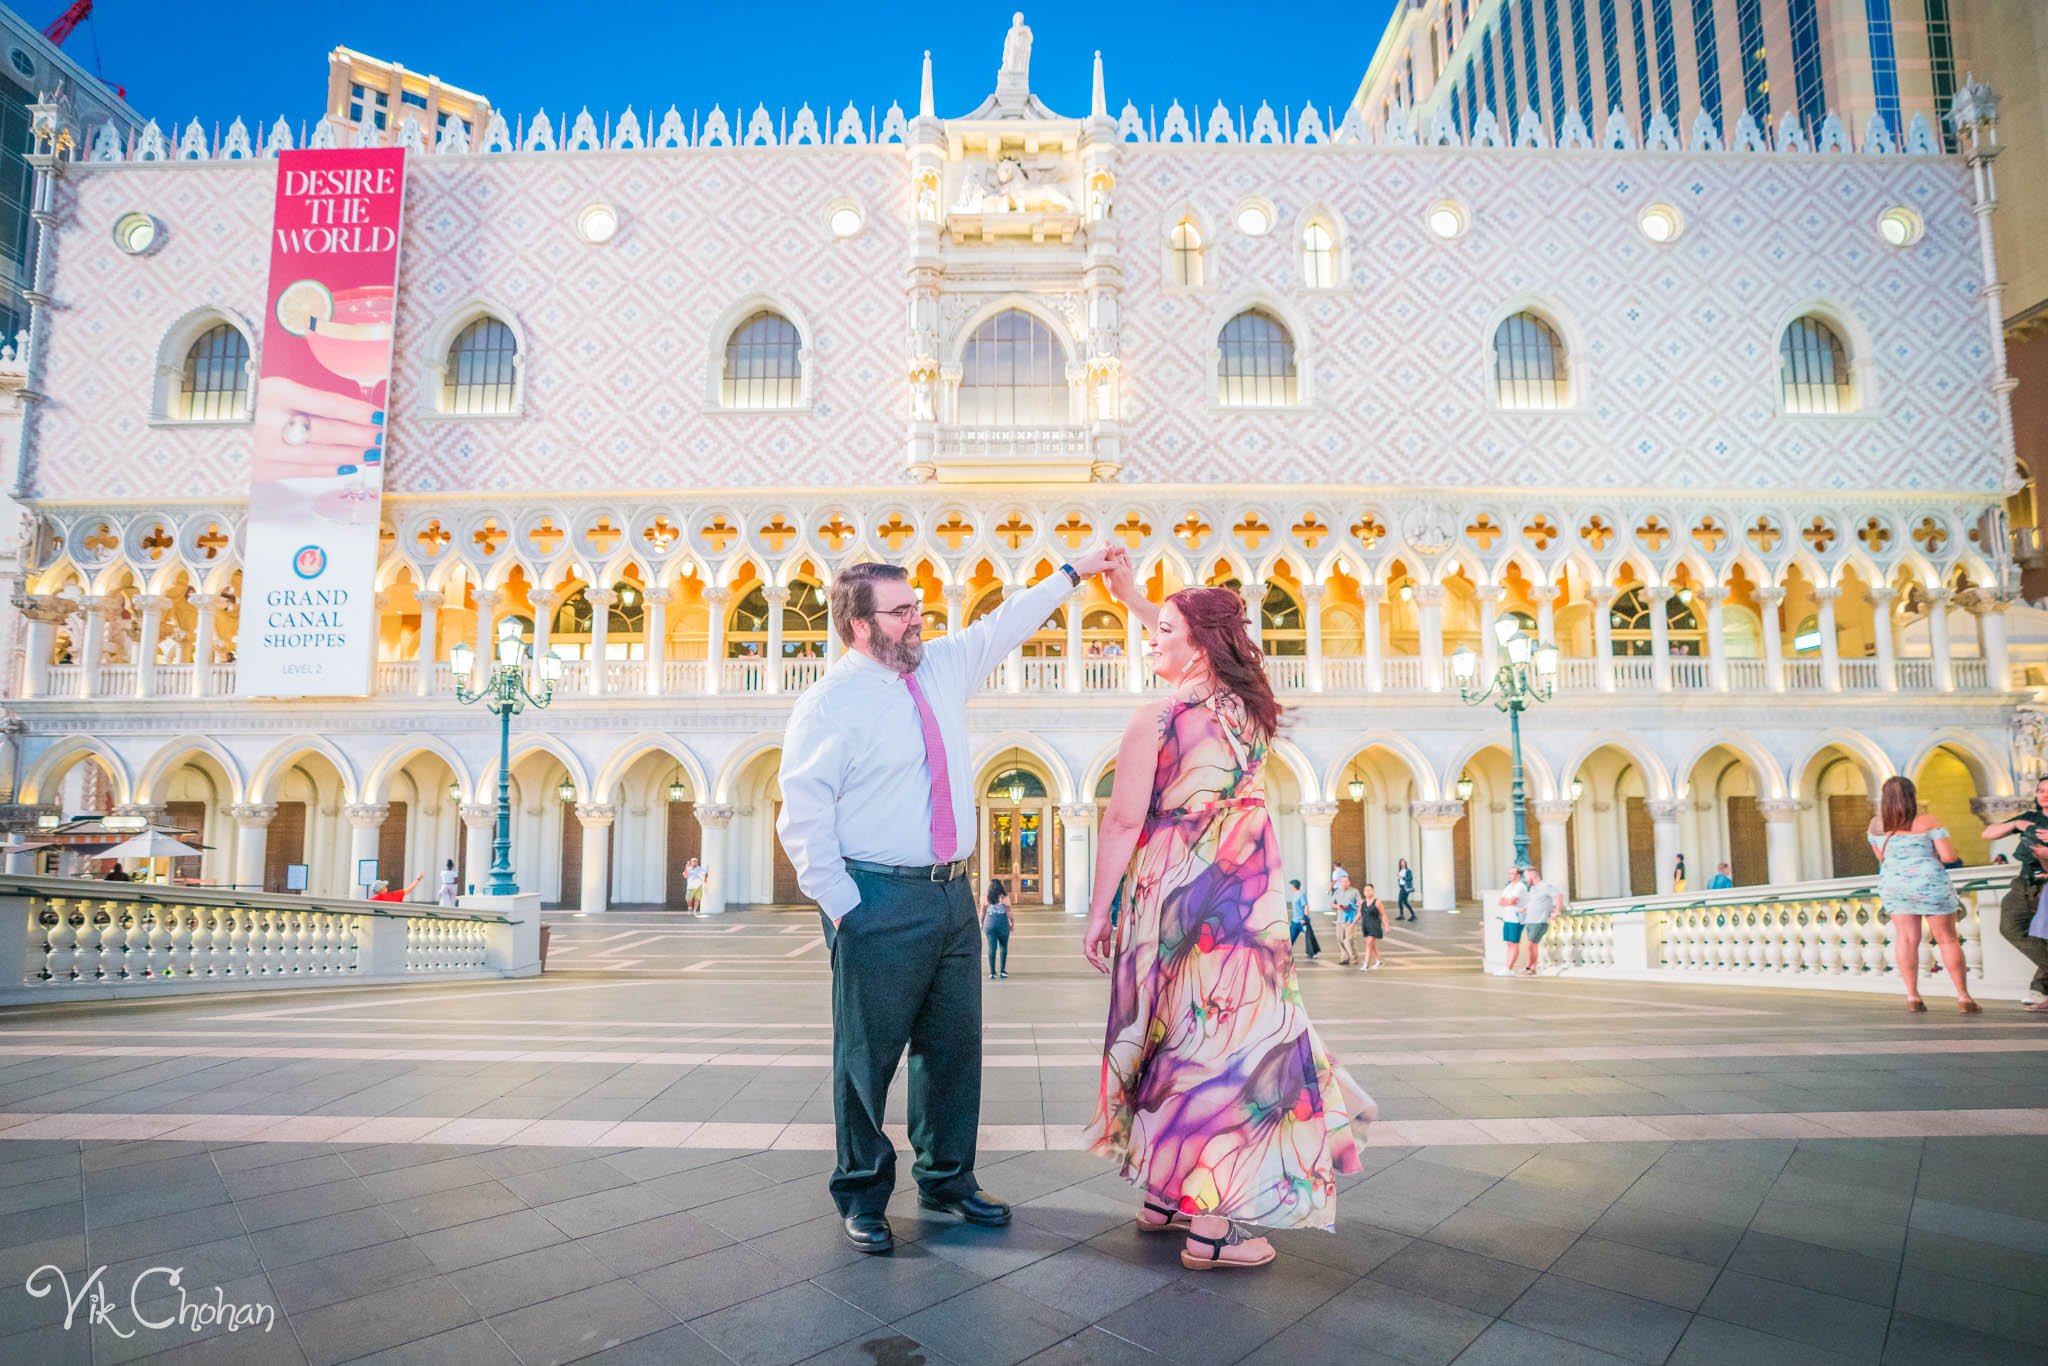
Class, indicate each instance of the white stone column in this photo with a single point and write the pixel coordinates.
(1439, 853)
(1884, 630)
(1658, 597)
(252, 829)
(1664, 832)
(152, 607)
(1134, 653)
(658, 600)
(1429, 607)
(365, 825)
(1768, 601)
(479, 832)
(714, 820)
(1312, 620)
(834, 646)
(1544, 595)
(1013, 662)
(1077, 821)
(1316, 819)
(771, 674)
(1830, 645)
(716, 596)
(430, 639)
(1253, 595)
(206, 604)
(1991, 634)
(1372, 595)
(1937, 639)
(1602, 597)
(487, 603)
(95, 611)
(1070, 676)
(596, 819)
(1489, 596)
(43, 616)
(543, 601)
(1550, 822)
(1716, 597)
(1781, 839)
(600, 600)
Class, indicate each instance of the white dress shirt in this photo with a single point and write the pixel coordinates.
(854, 781)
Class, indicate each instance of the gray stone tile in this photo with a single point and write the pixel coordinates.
(529, 1277)
(992, 1324)
(1916, 1341)
(1485, 1285)
(1988, 1309)
(1987, 1262)
(712, 1280)
(784, 1325)
(1828, 1270)
(1695, 1240)
(1400, 1323)
(1504, 1237)
(1513, 1344)
(473, 1344)
(1880, 1239)
(1716, 1342)
(1637, 1329)
(907, 1280)
(1786, 1311)
(1296, 1345)
(633, 1248)
(892, 1347)
(580, 1323)
(1088, 1283)
(993, 1252)
(444, 1209)
(289, 1244)
(764, 1211)
(385, 1318)
(566, 1182)
(308, 1202)
(487, 1240)
(1636, 1271)
(310, 1285)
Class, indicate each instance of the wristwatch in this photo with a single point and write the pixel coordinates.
(1073, 578)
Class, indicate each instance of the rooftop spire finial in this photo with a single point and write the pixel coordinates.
(924, 90)
(1099, 106)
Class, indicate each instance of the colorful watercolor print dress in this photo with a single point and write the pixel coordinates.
(1217, 1096)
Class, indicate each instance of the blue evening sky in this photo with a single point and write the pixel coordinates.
(224, 58)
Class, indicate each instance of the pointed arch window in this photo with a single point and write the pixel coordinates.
(1186, 245)
(1530, 369)
(803, 623)
(1255, 362)
(763, 364)
(480, 377)
(214, 386)
(1814, 368)
(1318, 255)
(1013, 374)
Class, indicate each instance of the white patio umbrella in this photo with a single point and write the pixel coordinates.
(151, 845)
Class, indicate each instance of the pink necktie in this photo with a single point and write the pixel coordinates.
(945, 836)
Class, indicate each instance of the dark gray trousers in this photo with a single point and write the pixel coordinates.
(906, 971)
(2015, 913)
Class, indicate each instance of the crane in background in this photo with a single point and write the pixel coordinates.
(60, 28)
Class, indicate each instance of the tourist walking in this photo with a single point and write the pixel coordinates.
(1543, 900)
(995, 925)
(445, 893)
(1678, 875)
(1298, 922)
(2017, 907)
(1236, 1116)
(1913, 886)
(694, 876)
(1344, 904)
(1372, 926)
(1722, 879)
(877, 820)
(1404, 887)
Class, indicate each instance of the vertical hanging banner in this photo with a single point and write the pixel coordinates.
(316, 467)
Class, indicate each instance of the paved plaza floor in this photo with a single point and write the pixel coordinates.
(625, 1161)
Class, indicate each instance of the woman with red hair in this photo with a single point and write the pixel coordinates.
(1217, 1099)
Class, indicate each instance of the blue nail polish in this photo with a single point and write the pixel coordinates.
(373, 457)
(377, 418)
(380, 438)
(344, 469)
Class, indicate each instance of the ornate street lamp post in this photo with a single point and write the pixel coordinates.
(1528, 676)
(507, 691)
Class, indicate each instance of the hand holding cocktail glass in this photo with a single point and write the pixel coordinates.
(308, 433)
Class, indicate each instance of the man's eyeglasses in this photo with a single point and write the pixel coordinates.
(905, 614)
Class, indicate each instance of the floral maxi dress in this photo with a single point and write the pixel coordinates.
(1217, 1097)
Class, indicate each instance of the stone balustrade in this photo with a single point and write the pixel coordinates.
(72, 939)
(1832, 935)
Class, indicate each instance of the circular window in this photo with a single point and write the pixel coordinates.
(1447, 219)
(1901, 227)
(1660, 223)
(135, 233)
(844, 218)
(22, 62)
(1254, 218)
(598, 224)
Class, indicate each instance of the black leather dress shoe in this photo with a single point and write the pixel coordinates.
(978, 1208)
(869, 1232)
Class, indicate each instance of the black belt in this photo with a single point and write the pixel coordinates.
(930, 872)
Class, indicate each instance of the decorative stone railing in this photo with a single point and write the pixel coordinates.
(64, 939)
(1342, 676)
(1833, 935)
(852, 126)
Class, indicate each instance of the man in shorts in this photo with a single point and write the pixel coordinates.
(1511, 899)
(1544, 900)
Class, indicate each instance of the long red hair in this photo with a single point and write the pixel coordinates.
(1214, 618)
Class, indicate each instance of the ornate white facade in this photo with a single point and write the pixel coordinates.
(1014, 334)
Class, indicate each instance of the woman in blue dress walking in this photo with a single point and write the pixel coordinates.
(1912, 846)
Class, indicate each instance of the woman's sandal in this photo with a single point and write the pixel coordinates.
(1174, 1222)
(1917, 1007)
(1970, 1008)
(1216, 1259)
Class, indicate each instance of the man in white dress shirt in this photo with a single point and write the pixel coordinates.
(878, 821)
